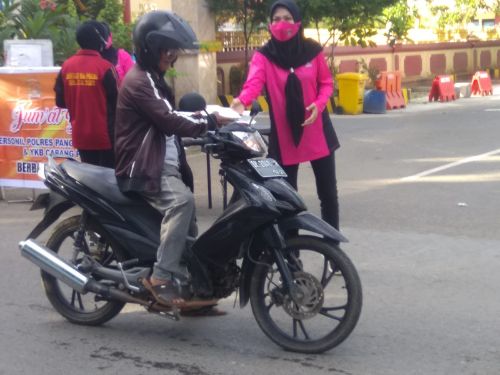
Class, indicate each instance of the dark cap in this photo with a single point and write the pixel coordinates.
(92, 35)
(290, 5)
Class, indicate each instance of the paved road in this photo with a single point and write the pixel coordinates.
(419, 192)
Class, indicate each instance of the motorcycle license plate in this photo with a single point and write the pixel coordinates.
(267, 168)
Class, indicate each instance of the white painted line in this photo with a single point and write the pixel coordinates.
(492, 110)
(451, 165)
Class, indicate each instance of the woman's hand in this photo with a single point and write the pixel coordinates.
(238, 106)
(221, 120)
(314, 114)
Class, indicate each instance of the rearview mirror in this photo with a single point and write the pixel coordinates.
(255, 108)
(192, 102)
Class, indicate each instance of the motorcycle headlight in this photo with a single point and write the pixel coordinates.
(252, 140)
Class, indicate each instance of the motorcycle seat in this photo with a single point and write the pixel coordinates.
(100, 179)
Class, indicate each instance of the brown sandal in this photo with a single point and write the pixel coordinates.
(165, 293)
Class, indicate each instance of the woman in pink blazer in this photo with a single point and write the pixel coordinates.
(298, 85)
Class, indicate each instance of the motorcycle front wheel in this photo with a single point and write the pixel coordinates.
(85, 309)
(330, 302)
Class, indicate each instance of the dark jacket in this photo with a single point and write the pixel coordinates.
(144, 116)
(87, 87)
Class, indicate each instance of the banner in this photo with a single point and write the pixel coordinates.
(31, 126)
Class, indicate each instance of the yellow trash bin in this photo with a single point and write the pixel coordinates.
(351, 92)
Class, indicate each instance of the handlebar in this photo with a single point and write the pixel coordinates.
(187, 142)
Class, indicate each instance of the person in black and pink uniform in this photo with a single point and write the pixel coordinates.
(120, 58)
(87, 86)
(298, 84)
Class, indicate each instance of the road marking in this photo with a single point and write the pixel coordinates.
(450, 165)
(492, 110)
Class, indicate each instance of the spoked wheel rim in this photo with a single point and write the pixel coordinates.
(78, 307)
(327, 306)
(332, 284)
(84, 303)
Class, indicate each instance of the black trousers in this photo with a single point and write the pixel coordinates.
(103, 158)
(326, 186)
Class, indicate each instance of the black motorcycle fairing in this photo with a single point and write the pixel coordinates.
(288, 199)
(252, 191)
(254, 207)
(138, 246)
(141, 227)
(221, 242)
(54, 204)
(41, 201)
(311, 223)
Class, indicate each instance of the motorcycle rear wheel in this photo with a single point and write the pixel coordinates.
(332, 299)
(78, 308)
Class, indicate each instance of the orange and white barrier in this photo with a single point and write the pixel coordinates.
(390, 82)
(481, 84)
(442, 89)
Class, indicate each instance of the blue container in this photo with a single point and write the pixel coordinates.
(374, 101)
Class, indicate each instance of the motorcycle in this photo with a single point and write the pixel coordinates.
(304, 291)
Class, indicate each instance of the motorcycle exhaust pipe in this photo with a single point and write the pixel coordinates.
(53, 264)
(66, 272)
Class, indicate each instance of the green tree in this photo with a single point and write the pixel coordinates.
(122, 35)
(495, 6)
(443, 14)
(39, 19)
(400, 18)
(250, 14)
(111, 13)
(459, 14)
(65, 44)
(466, 10)
(352, 22)
(348, 21)
(58, 21)
(7, 27)
(87, 8)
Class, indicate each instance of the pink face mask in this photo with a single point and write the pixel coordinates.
(283, 30)
(109, 42)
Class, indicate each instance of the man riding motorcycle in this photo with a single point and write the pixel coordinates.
(149, 158)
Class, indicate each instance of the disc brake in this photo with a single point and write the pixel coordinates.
(313, 297)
